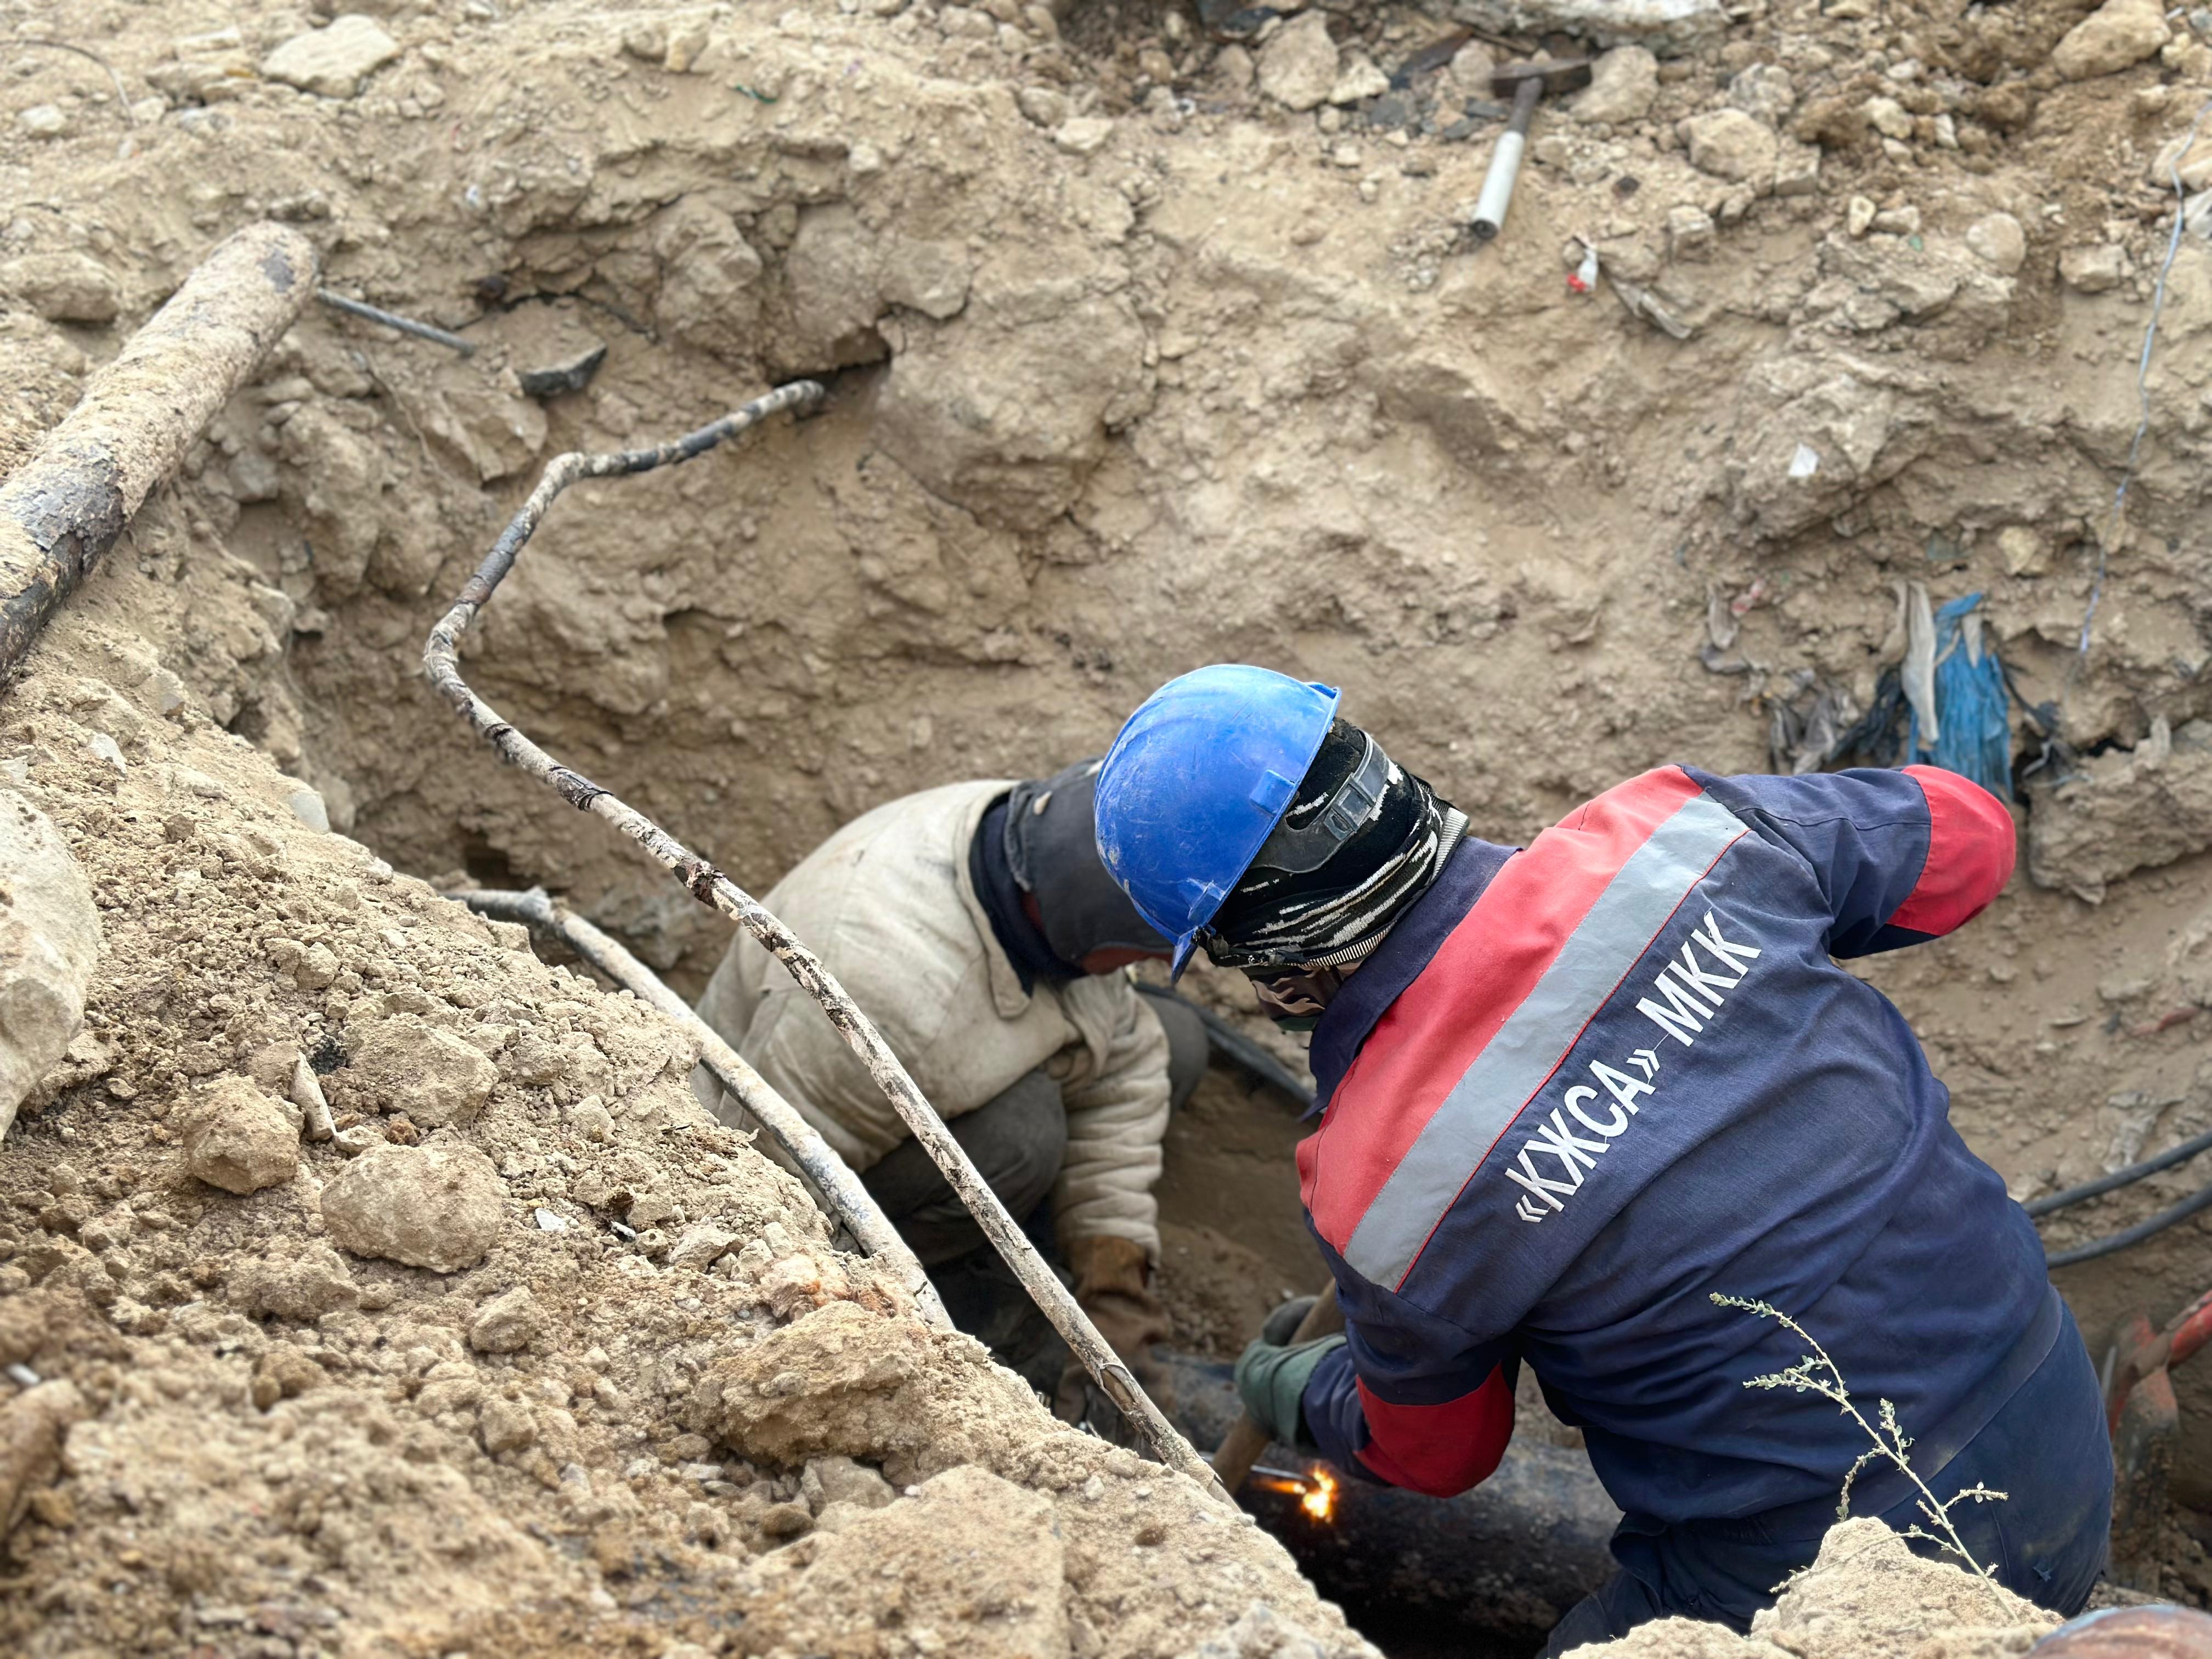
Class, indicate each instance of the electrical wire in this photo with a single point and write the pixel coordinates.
(2142, 390)
(2195, 1202)
(2127, 1178)
(1239, 1050)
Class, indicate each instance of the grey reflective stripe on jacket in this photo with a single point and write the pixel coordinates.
(888, 904)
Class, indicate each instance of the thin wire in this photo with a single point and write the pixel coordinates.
(2143, 394)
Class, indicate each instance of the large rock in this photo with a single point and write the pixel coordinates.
(1004, 410)
(1730, 145)
(49, 945)
(1666, 26)
(1623, 83)
(402, 1065)
(63, 288)
(333, 61)
(2126, 810)
(1297, 67)
(981, 1562)
(440, 1206)
(238, 1138)
(2118, 33)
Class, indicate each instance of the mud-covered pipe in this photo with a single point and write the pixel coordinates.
(817, 1162)
(63, 507)
(441, 666)
(1490, 1572)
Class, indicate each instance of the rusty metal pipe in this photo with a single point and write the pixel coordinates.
(63, 507)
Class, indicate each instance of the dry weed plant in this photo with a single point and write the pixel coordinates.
(1816, 1373)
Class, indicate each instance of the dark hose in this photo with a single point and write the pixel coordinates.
(2135, 1235)
(1239, 1050)
(2135, 1172)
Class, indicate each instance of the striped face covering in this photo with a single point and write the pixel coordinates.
(1333, 914)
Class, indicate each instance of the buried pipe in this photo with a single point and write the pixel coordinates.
(837, 1187)
(62, 509)
(714, 889)
(1489, 1571)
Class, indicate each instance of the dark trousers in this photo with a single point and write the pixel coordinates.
(2046, 1447)
(1017, 1139)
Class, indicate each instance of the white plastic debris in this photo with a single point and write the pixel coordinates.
(1805, 462)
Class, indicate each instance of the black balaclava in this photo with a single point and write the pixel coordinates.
(1297, 932)
(1052, 847)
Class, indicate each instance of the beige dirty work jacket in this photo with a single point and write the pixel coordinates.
(887, 902)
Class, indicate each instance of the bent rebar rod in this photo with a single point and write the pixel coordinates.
(817, 1162)
(711, 887)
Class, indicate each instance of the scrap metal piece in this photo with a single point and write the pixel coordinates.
(393, 319)
(560, 379)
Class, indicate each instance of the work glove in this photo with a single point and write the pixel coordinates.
(1273, 1374)
(1113, 1285)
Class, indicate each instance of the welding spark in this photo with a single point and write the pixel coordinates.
(1319, 1499)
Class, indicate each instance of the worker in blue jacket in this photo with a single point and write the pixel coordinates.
(1572, 1092)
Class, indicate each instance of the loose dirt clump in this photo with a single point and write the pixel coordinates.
(546, 1373)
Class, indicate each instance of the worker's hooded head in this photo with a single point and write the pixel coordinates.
(1309, 908)
(1052, 848)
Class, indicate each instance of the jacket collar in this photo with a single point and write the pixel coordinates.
(1008, 995)
(1400, 959)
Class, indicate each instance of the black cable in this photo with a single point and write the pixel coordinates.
(1239, 1050)
(2127, 1178)
(2135, 1235)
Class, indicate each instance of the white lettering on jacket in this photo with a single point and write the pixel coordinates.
(1688, 993)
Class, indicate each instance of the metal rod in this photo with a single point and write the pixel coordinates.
(392, 320)
(711, 887)
(817, 1162)
(62, 509)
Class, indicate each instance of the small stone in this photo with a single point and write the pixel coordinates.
(1043, 105)
(1297, 67)
(1797, 169)
(687, 44)
(304, 1283)
(239, 1138)
(590, 1118)
(700, 1246)
(1689, 232)
(2195, 164)
(2092, 270)
(440, 1206)
(2117, 35)
(1763, 91)
(572, 374)
(505, 1425)
(308, 806)
(1473, 73)
(1623, 84)
(1997, 240)
(646, 41)
(2025, 552)
(1359, 79)
(332, 62)
(1858, 217)
(405, 1068)
(786, 1521)
(506, 1324)
(1729, 145)
(1084, 135)
(1889, 118)
(839, 1479)
(1898, 222)
(63, 288)
(43, 121)
(1235, 70)
(284, 1373)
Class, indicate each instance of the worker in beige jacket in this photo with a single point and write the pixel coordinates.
(975, 926)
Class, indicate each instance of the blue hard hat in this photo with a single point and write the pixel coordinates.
(1196, 782)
